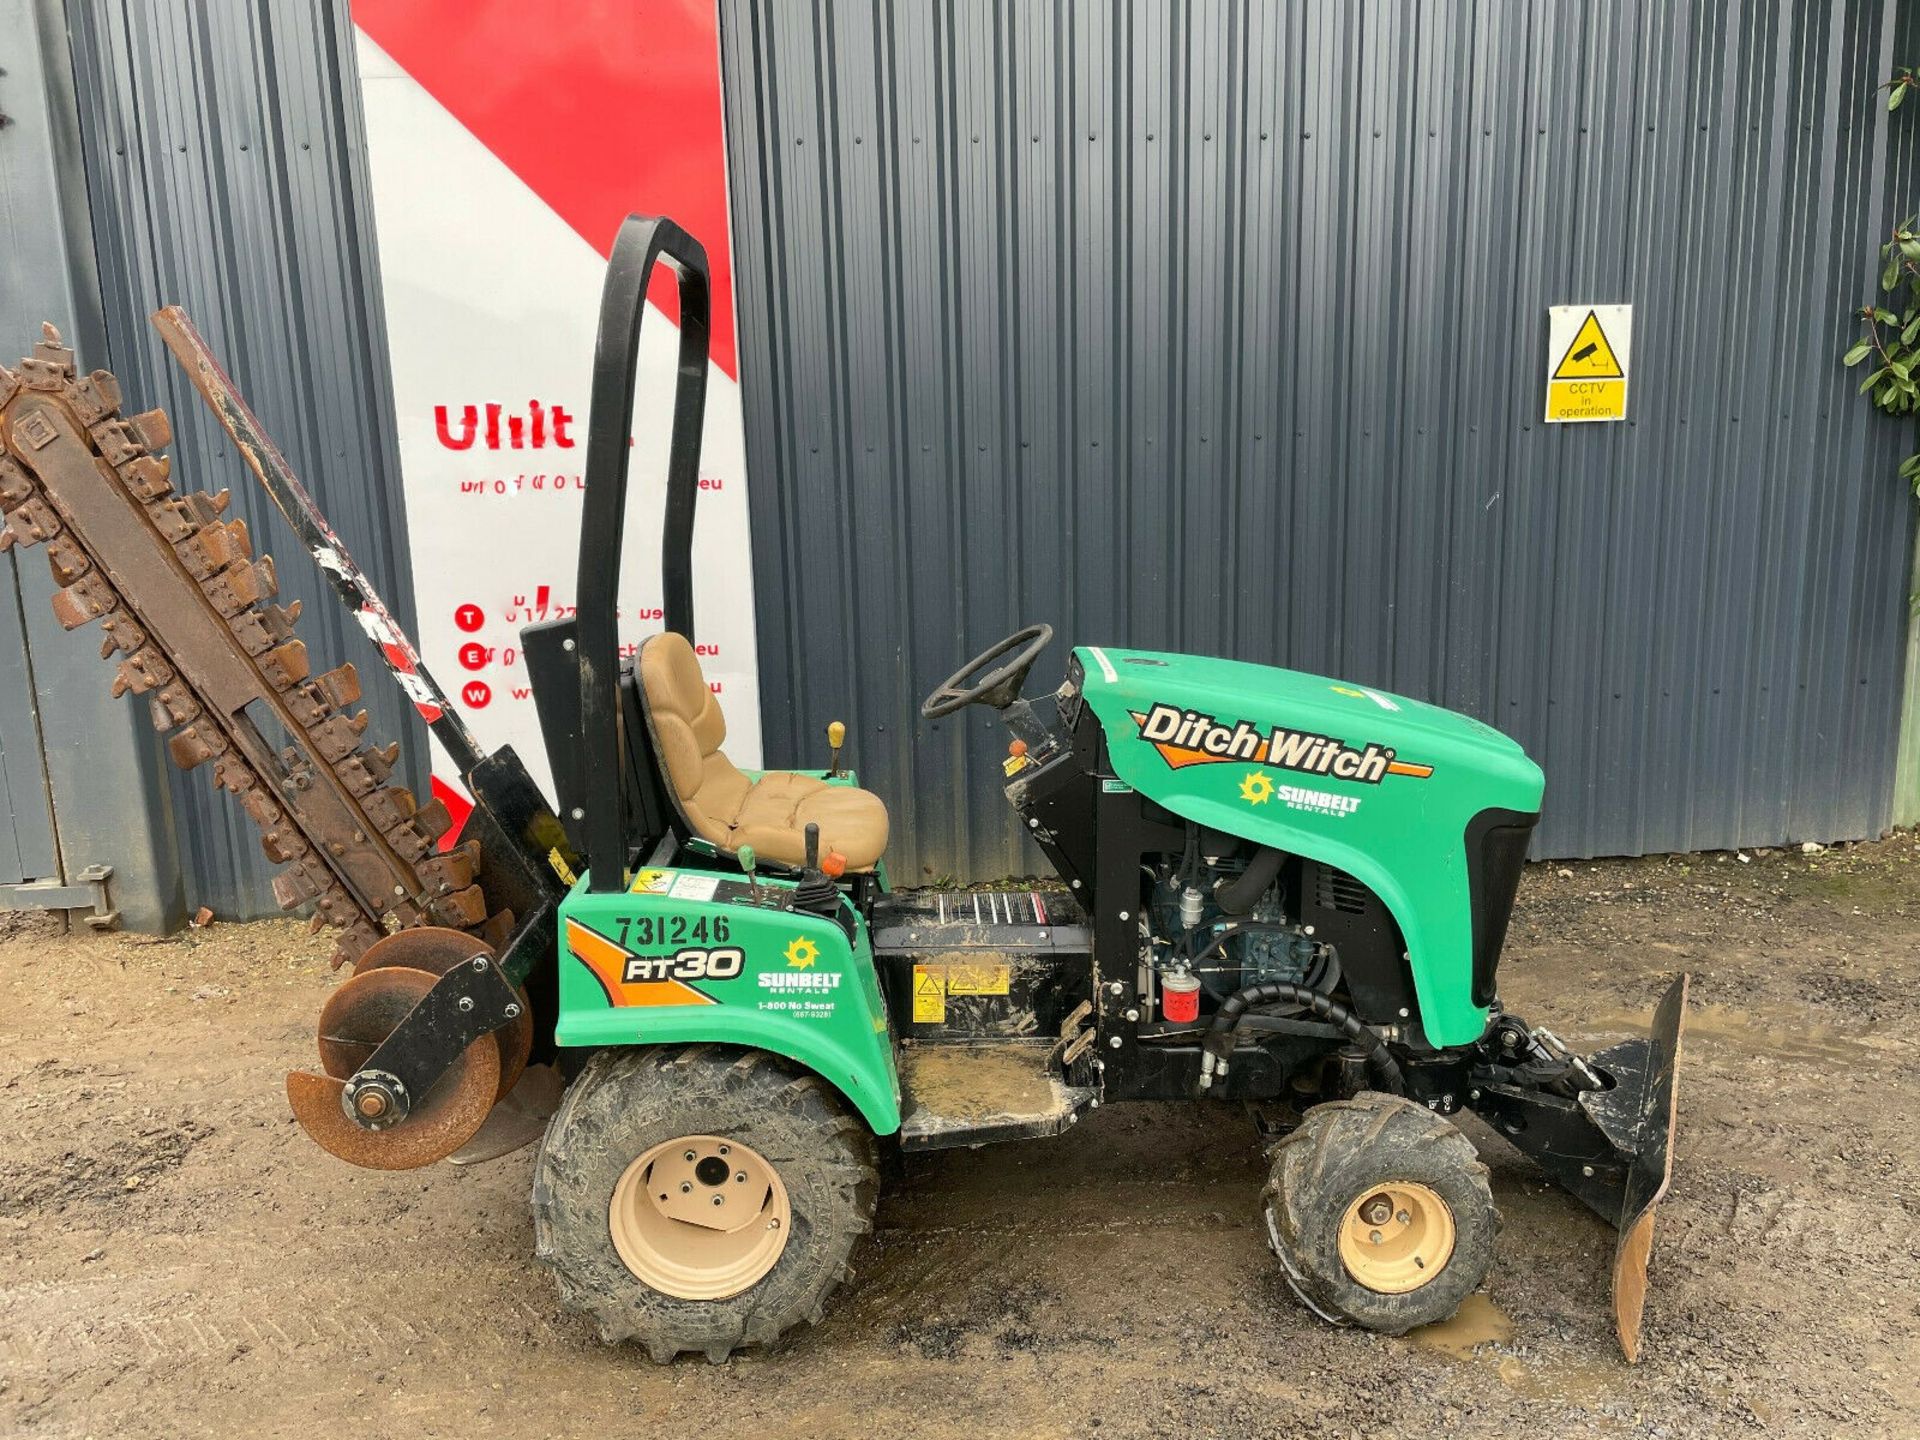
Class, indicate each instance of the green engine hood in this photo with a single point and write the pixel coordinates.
(1378, 785)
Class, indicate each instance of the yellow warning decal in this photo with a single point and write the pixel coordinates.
(978, 979)
(929, 995)
(1589, 360)
(1590, 356)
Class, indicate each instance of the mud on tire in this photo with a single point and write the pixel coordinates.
(1348, 1150)
(624, 1103)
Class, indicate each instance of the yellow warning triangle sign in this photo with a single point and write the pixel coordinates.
(1590, 356)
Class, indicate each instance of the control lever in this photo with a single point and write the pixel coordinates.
(748, 860)
(836, 737)
(816, 890)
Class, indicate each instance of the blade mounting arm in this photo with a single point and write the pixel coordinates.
(471, 1000)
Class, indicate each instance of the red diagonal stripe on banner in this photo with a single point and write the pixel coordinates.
(602, 108)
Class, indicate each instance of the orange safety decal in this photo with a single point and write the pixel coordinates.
(630, 979)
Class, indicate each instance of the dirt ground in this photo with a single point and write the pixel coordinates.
(176, 1259)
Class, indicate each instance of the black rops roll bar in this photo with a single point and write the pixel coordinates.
(643, 240)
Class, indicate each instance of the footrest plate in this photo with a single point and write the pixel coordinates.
(965, 1093)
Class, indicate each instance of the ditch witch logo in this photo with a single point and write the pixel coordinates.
(1188, 737)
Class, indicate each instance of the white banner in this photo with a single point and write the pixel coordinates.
(491, 302)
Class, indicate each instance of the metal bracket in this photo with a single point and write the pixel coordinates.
(89, 892)
(470, 1000)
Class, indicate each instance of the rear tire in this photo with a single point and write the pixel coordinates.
(819, 1184)
(1380, 1213)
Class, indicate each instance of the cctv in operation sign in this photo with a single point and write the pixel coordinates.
(1587, 357)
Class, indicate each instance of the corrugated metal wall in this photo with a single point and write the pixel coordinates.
(30, 253)
(1221, 328)
(227, 173)
(104, 801)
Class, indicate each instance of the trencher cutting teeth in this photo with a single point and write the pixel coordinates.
(188, 607)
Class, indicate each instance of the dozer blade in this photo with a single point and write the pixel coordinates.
(1611, 1147)
(1644, 1073)
(357, 1020)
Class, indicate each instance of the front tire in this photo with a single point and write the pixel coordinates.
(646, 1141)
(1380, 1213)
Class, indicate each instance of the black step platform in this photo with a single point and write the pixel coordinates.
(980, 1092)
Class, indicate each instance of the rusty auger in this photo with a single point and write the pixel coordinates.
(188, 606)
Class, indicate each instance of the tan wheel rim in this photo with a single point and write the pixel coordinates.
(700, 1217)
(1396, 1237)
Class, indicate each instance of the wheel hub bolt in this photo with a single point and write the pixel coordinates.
(719, 1199)
(686, 1187)
(1375, 1237)
(1377, 1210)
(370, 1103)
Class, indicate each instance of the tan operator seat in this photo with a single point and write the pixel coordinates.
(726, 807)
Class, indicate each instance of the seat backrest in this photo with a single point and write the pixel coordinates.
(688, 731)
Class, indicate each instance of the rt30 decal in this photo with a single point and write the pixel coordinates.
(684, 965)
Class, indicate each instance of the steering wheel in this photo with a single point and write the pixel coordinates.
(1000, 686)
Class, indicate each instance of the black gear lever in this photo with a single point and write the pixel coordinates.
(816, 890)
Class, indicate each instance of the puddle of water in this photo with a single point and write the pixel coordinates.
(1477, 1322)
(1785, 1031)
(1587, 1386)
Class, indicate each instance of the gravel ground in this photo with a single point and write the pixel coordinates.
(178, 1260)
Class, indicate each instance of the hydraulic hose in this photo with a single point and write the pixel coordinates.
(1190, 856)
(1218, 1043)
(1240, 894)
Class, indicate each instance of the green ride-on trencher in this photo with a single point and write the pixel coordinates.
(1273, 888)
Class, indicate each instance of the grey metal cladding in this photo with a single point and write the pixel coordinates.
(1221, 327)
(227, 173)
